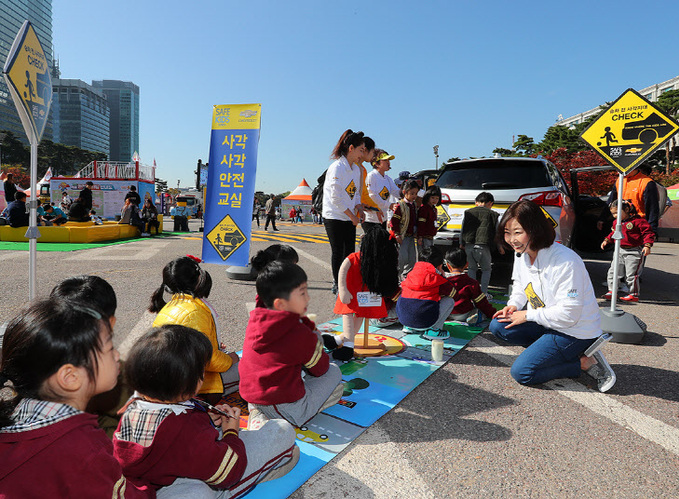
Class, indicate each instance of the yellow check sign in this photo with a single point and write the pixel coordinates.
(28, 78)
(629, 131)
(226, 237)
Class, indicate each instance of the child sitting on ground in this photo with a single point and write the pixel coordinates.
(280, 344)
(172, 442)
(93, 291)
(190, 285)
(635, 245)
(402, 227)
(272, 253)
(468, 294)
(58, 354)
(426, 296)
(427, 226)
(366, 281)
(477, 234)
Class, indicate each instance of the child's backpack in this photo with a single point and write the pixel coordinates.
(317, 193)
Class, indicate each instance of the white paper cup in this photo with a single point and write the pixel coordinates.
(437, 350)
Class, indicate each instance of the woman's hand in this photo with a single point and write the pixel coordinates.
(515, 318)
(505, 312)
(234, 357)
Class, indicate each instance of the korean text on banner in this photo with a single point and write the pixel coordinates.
(231, 183)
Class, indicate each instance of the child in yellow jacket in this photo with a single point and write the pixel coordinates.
(190, 285)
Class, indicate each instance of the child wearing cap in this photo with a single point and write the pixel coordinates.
(382, 190)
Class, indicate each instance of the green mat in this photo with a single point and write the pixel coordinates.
(24, 246)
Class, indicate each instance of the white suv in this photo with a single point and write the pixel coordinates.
(508, 180)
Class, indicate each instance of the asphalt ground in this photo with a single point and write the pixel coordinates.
(469, 430)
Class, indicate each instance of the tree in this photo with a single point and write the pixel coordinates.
(524, 145)
(504, 152)
(669, 103)
(558, 136)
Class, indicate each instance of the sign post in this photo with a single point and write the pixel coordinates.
(27, 75)
(231, 184)
(626, 134)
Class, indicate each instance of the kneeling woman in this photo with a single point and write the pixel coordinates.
(562, 316)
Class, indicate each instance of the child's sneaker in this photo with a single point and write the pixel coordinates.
(285, 468)
(334, 397)
(329, 341)
(630, 297)
(608, 295)
(436, 334)
(602, 372)
(256, 418)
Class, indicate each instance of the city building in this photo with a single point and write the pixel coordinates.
(13, 13)
(80, 115)
(123, 101)
(651, 93)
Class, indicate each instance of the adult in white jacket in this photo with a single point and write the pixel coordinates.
(342, 208)
(552, 311)
(381, 189)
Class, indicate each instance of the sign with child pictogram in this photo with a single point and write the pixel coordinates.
(629, 131)
(226, 237)
(28, 78)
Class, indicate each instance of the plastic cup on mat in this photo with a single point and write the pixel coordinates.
(437, 350)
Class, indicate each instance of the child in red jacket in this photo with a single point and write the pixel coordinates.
(635, 246)
(426, 296)
(170, 441)
(281, 343)
(469, 295)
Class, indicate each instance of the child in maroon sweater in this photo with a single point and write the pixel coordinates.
(635, 246)
(170, 441)
(426, 217)
(281, 343)
(58, 354)
(468, 294)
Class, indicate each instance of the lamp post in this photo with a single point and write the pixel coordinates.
(2, 139)
(436, 154)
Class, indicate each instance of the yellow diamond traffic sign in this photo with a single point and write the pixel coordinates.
(226, 237)
(549, 217)
(28, 78)
(629, 131)
(442, 217)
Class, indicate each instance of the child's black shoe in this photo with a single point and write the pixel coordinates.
(329, 341)
(343, 353)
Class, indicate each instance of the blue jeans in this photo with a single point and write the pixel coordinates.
(548, 355)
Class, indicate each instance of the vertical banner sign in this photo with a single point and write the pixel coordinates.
(231, 183)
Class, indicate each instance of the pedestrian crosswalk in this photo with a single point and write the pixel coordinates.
(290, 237)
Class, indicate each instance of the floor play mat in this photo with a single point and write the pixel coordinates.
(373, 386)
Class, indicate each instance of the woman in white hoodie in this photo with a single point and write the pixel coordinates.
(342, 208)
(552, 310)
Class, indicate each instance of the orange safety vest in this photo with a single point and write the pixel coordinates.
(633, 189)
(365, 195)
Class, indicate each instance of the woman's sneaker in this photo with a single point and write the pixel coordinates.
(436, 334)
(602, 372)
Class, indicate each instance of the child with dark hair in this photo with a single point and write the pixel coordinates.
(272, 253)
(427, 226)
(426, 296)
(477, 235)
(178, 445)
(57, 356)
(280, 344)
(365, 279)
(468, 293)
(402, 227)
(190, 285)
(93, 291)
(635, 245)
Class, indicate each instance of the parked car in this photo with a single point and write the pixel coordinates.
(508, 179)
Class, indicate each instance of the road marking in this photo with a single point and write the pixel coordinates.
(645, 426)
(138, 330)
(314, 259)
(136, 251)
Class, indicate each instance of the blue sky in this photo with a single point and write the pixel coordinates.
(465, 75)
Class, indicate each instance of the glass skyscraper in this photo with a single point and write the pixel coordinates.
(123, 101)
(80, 115)
(13, 13)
